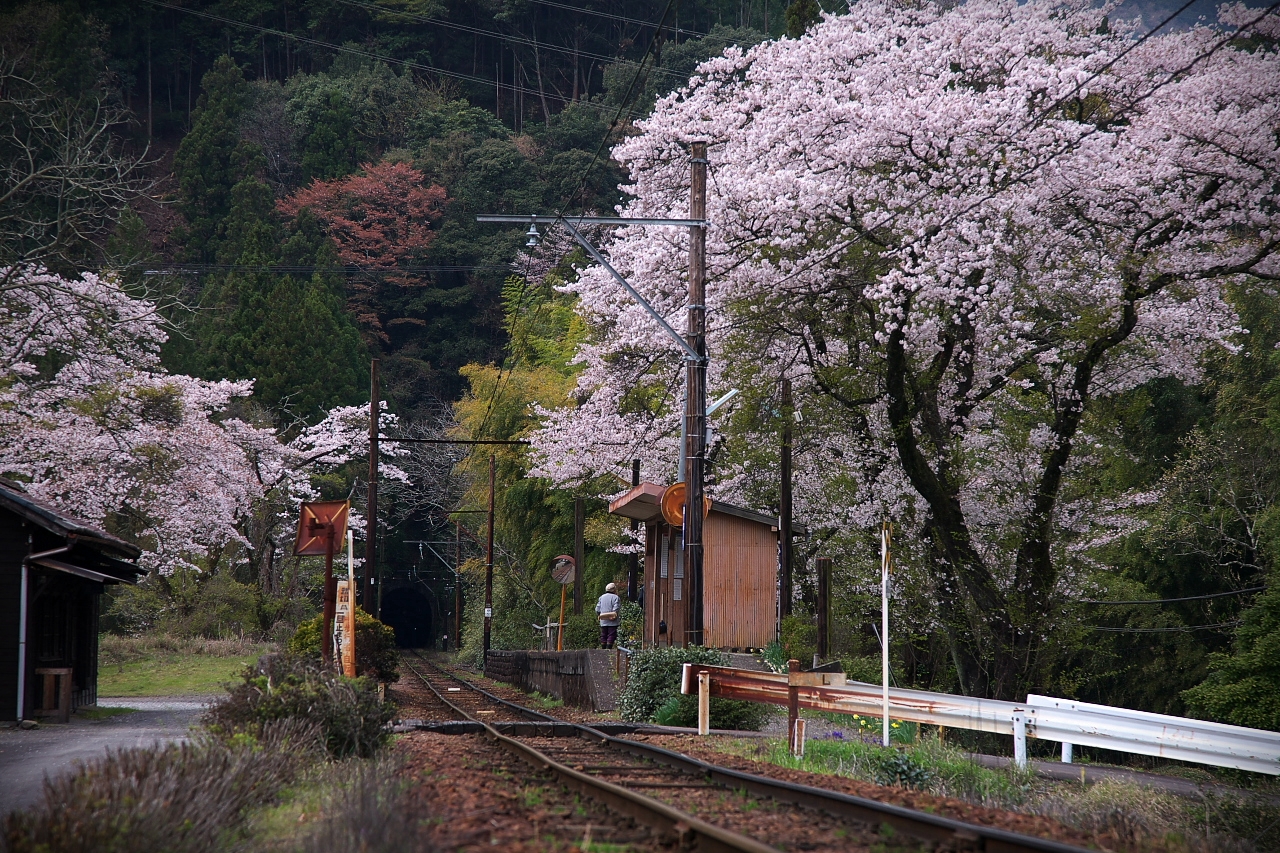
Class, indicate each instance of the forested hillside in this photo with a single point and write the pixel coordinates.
(1054, 368)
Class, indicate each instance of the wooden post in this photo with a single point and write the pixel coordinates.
(371, 522)
(824, 607)
(696, 397)
(579, 553)
(704, 702)
(784, 506)
(488, 562)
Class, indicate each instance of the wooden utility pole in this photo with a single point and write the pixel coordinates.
(371, 522)
(824, 608)
(784, 506)
(488, 561)
(579, 552)
(457, 585)
(696, 396)
(633, 561)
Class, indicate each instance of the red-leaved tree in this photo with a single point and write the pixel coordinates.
(380, 221)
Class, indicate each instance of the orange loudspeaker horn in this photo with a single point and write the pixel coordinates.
(672, 503)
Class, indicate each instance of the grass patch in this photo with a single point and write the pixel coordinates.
(927, 765)
(164, 665)
(92, 712)
(546, 700)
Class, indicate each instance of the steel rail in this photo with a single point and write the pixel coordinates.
(686, 829)
(927, 827)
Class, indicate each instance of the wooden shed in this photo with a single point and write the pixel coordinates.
(53, 569)
(740, 573)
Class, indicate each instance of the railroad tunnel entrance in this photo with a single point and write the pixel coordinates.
(408, 613)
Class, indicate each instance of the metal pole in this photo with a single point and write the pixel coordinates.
(784, 505)
(885, 532)
(579, 553)
(633, 561)
(824, 607)
(457, 586)
(488, 566)
(696, 402)
(371, 522)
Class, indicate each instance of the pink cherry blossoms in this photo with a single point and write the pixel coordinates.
(952, 228)
(93, 424)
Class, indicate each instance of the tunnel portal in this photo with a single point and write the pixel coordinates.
(408, 613)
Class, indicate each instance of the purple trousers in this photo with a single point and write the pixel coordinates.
(608, 636)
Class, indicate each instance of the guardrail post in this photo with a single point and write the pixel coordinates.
(797, 740)
(1019, 738)
(1066, 753)
(704, 702)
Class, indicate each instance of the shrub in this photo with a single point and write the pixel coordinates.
(376, 653)
(632, 627)
(180, 797)
(799, 637)
(581, 631)
(653, 692)
(724, 713)
(366, 811)
(350, 717)
(653, 678)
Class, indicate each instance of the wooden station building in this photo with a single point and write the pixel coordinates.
(740, 573)
(53, 569)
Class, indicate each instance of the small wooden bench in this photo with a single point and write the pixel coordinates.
(55, 687)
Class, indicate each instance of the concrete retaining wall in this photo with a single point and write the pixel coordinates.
(583, 677)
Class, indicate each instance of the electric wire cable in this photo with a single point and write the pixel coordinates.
(1175, 600)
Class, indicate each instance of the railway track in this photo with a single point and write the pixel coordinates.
(691, 802)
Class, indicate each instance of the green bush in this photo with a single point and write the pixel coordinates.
(653, 692)
(348, 713)
(725, 714)
(582, 631)
(376, 654)
(192, 796)
(632, 628)
(653, 678)
(224, 607)
(799, 637)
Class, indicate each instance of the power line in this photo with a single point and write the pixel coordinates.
(1181, 629)
(624, 19)
(417, 66)
(180, 269)
(514, 39)
(1175, 600)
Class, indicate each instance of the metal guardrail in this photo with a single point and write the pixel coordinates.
(1042, 717)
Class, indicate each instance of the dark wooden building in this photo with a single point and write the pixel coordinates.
(53, 569)
(740, 573)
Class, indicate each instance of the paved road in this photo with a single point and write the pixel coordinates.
(27, 757)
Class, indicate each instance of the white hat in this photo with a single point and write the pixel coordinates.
(610, 587)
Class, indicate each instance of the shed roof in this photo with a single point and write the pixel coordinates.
(13, 498)
(643, 503)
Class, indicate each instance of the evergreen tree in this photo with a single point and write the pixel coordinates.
(211, 159)
(287, 331)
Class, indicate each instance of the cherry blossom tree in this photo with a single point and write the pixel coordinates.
(381, 222)
(92, 423)
(953, 228)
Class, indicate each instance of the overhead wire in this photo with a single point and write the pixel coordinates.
(627, 97)
(342, 48)
(1176, 600)
(514, 39)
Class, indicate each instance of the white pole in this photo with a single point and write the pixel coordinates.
(351, 567)
(884, 624)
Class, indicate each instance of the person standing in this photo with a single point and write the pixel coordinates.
(607, 608)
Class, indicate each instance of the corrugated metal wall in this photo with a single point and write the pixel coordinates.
(740, 582)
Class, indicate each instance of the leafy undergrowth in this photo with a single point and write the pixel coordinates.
(1140, 817)
(291, 759)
